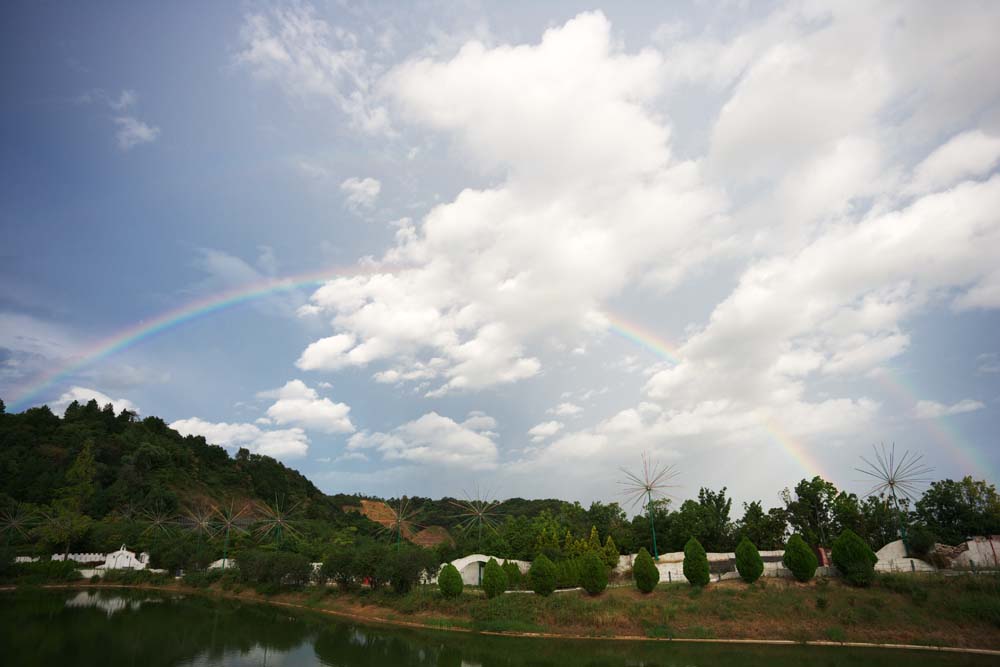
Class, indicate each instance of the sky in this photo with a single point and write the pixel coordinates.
(423, 248)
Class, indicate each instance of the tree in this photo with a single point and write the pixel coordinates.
(62, 525)
(748, 561)
(513, 573)
(810, 511)
(767, 530)
(695, 563)
(494, 579)
(610, 553)
(543, 575)
(799, 558)
(450, 581)
(339, 567)
(855, 559)
(955, 511)
(593, 573)
(645, 572)
(79, 489)
(407, 566)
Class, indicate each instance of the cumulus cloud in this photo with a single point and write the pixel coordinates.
(360, 193)
(279, 443)
(301, 405)
(565, 410)
(933, 409)
(133, 132)
(84, 395)
(540, 432)
(433, 440)
(579, 212)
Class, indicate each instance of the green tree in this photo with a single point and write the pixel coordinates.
(764, 529)
(810, 511)
(338, 567)
(450, 581)
(799, 558)
(80, 488)
(610, 553)
(61, 525)
(542, 575)
(695, 563)
(494, 579)
(955, 511)
(748, 561)
(593, 573)
(854, 558)
(645, 572)
(513, 573)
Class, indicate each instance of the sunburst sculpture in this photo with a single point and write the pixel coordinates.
(199, 520)
(276, 521)
(901, 476)
(230, 520)
(476, 512)
(401, 523)
(652, 482)
(158, 520)
(16, 521)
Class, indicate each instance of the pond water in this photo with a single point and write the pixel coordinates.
(110, 628)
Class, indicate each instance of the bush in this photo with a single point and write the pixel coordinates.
(407, 566)
(494, 579)
(920, 540)
(338, 567)
(593, 573)
(270, 570)
(542, 575)
(201, 579)
(371, 563)
(695, 563)
(513, 573)
(450, 581)
(44, 571)
(854, 558)
(799, 558)
(568, 573)
(645, 573)
(748, 561)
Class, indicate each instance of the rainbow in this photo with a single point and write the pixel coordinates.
(941, 429)
(146, 329)
(671, 353)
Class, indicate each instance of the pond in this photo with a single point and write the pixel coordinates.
(110, 628)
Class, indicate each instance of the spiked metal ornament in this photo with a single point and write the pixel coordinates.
(157, 520)
(651, 483)
(276, 521)
(899, 476)
(200, 520)
(16, 521)
(476, 512)
(402, 523)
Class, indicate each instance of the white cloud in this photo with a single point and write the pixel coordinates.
(301, 405)
(361, 192)
(967, 155)
(988, 362)
(84, 395)
(540, 432)
(308, 59)
(431, 440)
(565, 410)
(279, 443)
(579, 212)
(933, 409)
(133, 132)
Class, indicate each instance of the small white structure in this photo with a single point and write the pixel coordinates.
(81, 558)
(982, 552)
(471, 567)
(222, 564)
(123, 559)
(892, 558)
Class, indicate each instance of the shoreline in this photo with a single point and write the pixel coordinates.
(375, 619)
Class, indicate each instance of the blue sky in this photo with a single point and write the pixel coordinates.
(808, 234)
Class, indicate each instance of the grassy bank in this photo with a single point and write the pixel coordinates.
(928, 611)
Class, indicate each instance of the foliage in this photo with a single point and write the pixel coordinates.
(202, 579)
(748, 561)
(695, 563)
(273, 569)
(408, 565)
(338, 567)
(494, 579)
(568, 573)
(955, 511)
(43, 571)
(767, 530)
(855, 559)
(450, 581)
(645, 573)
(810, 511)
(920, 540)
(542, 575)
(593, 573)
(799, 558)
(609, 553)
(513, 573)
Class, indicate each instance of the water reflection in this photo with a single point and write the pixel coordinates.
(101, 629)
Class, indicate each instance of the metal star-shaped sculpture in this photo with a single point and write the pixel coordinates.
(199, 520)
(157, 521)
(476, 512)
(16, 521)
(651, 483)
(401, 524)
(901, 476)
(276, 521)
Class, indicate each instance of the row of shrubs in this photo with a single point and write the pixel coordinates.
(850, 554)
